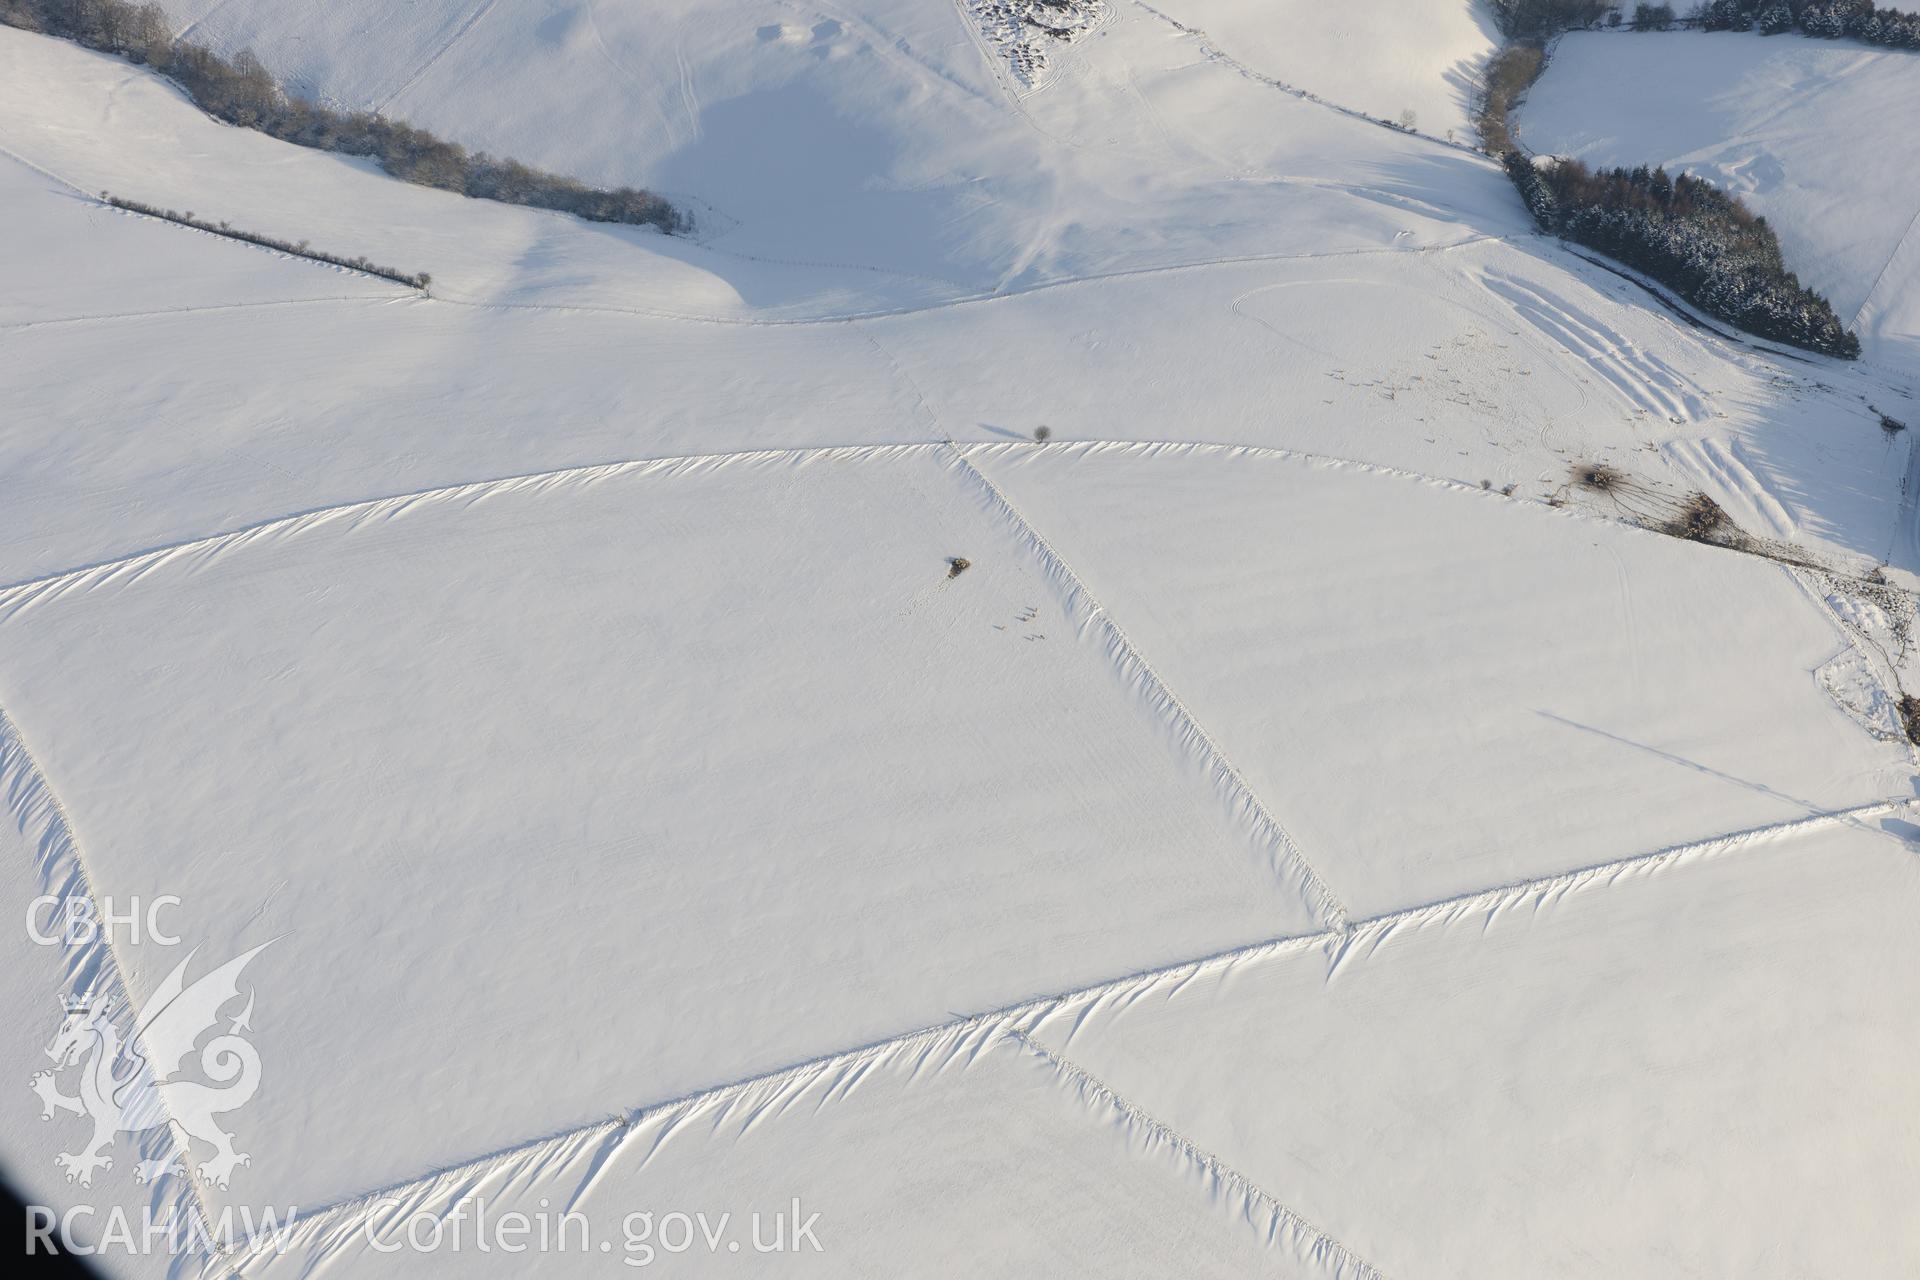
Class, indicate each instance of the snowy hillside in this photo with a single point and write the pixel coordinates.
(1814, 134)
(1101, 675)
(896, 137)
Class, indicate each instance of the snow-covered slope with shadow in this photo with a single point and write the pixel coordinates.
(1101, 674)
(1811, 133)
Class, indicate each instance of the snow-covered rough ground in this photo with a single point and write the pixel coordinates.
(1312, 837)
(1813, 134)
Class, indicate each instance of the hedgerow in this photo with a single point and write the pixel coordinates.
(299, 248)
(241, 91)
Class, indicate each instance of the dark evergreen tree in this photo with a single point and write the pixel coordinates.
(1689, 235)
(1727, 15)
(1533, 189)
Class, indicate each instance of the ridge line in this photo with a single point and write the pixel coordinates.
(1284, 850)
(1029, 1012)
(1320, 1244)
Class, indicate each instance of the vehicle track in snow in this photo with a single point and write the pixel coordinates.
(1726, 463)
(111, 316)
(1646, 382)
(420, 71)
(975, 298)
(592, 10)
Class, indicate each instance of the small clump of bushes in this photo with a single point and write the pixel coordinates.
(1509, 74)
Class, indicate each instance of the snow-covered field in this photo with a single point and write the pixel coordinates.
(1814, 134)
(1310, 835)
